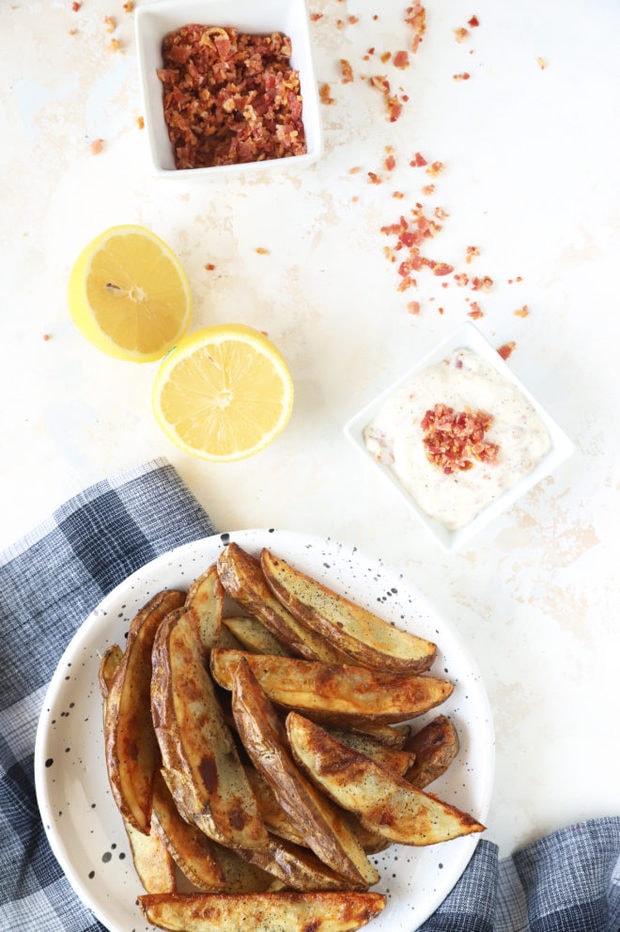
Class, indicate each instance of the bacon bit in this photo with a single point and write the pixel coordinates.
(461, 279)
(390, 163)
(398, 195)
(482, 284)
(413, 307)
(114, 46)
(110, 23)
(315, 17)
(76, 5)
(522, 311)
(209, 267)
(96, 146)
(355, 170)
(440, 213)
(418, 161)
(262, 251)
(434, 168)
(385, 57)
(461, 34)
(542, 64)
(440, 310)
(140, 122)
(416, 18)
(230, 97)
(471, 252)
(128, 6)
(325, 95)
(47, 337)
(353, 20)
(340, 24)
(347, 71)
(428, 189)
(507, 349)
(453, 440)
(73, 32)
(394, 107)
(463, 76)
(373, 178)
(401, 60)
(442, 268)
(476, 312)
(473, 22)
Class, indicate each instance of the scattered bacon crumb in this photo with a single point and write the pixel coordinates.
(347, 71)
(428, 189)
(542, 64)
(390, 162)
(401, 60)
(373, 178)
(454, 439)
(230, 97)
(73, 32)
(394, 107)
(114, 45)
(418, 161)
(461, 34)
(262, 251)
(476, 311)
(128, 6)
(463, 76)
(482, 284)
(434, 168)
(325, 95)
(76, 5)
(340, 24)
(413, 307)
(96, 146)
(47, 337)
(398, 195)
(314, 17)
(507, 349)
(355, 170)
(209, 266)
(473, 22)
(415, 17)
(522, 311)
(353, 20)
(110, 23)
(471, 252)
(140, 122)
(385, 57)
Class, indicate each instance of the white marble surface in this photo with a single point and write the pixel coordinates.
(531, 177)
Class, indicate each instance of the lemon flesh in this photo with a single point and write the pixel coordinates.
(129, 294)
(223, 393)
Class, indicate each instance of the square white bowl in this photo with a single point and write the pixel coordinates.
(154, 20)
(468, 337)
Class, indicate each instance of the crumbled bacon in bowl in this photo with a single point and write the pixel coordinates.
(230, 97)
(454, 439)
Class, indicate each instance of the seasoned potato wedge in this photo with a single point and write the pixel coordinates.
(201, 763)
(367, 639)
(295, 866)
(267, 912)
(242, 577)
(264, 739)
(435, 746)
(278, 822)
(109, 664)
(205, 597)
(254, 636)
(384, 802)
(390, 758)
(151, 858)
(131, 749)
(335, 693)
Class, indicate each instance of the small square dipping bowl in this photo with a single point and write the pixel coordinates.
(259, 17)
(468, 337)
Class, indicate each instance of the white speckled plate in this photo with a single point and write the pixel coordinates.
(83, 826)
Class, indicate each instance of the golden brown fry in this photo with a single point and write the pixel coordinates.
(267, 912)
(132, 755)
(205, 597)
(390, 758)
(384, 802)
(110, 662)
(334, 693)
(367, 639)
(242, 577)
(264, 739)
(201, 763)
(254, 636)
(296, 867)
(273, 815)
(151, 859)
(435, 746)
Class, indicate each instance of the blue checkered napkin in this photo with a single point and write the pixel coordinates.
(49, 583)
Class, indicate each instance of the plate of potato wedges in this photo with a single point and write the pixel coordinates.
(269, 730)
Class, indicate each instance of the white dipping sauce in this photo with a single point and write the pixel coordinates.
(464, 380)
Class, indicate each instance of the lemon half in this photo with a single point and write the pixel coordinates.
(129, 294)
(223, 393)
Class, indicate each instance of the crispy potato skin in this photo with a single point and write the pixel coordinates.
(435, 746)
(384, 802)
(131, 750)
(368, 640)
(268, 912)
(264, 738)
(205, 598)
(201, 762)
(335, 693)
(243, 579)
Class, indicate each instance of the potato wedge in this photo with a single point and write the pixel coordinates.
(205, 597)
(131, 751)
(264, 739)
(254, 636)
(335, 693)
(278, 822)
(435, 746)
(201, 763)
(390, 758)
(295, 866)
(384, 802)
(243, 579)
(367, 639)
(151, 859)
(266, 912)
(109, 664)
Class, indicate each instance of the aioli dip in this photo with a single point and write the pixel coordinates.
(464, 382)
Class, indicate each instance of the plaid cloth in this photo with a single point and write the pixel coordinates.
(49, 583)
